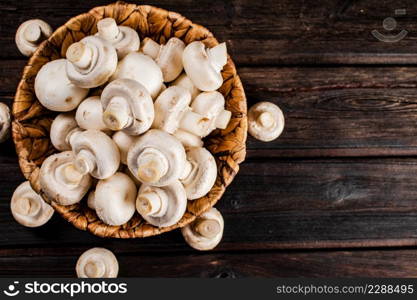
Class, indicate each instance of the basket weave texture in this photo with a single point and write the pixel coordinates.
(32, 121)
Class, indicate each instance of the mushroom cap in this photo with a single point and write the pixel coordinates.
(54, 90)
(265, 121)
(59, 180)
(208, 104)
(114, 199)
(127, 40)
(175, 207)
(184, 81)
(28, 208)
(30, 34)
(5, 122)
(89, 114)
(188, 139)
(103, 151)
(102, 66)
(200, 67)
(138, 100)
(123, 142)
(164, 144)
(196, 240)
(203, 173)
(169, 108)
(163, 88)
(170, 59)
(129, 43)
(143, 69)
(62, 125)
(97, 263)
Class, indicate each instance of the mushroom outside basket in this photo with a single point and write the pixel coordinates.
(32, 121)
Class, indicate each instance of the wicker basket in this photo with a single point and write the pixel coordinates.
(32, 121)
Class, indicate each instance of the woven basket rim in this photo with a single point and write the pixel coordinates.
(85, 219)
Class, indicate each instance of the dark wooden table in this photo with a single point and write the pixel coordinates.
(336, 195)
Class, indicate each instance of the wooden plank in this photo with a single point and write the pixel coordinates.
(274, 205)
(265, 32)
(356, 122)
(374, 263)
(339, 111)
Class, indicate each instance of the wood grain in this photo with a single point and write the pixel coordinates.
(372, 263)
(278, 204)
(266, 32)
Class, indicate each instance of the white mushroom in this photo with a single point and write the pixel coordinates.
(123, 38)
(211, 106)
(61, 127)
(184, 81)
(156, 158)
(5, 122)
(90, 200)
(28, 208)
(114, 199)
(204, 66)
(143, 69)
(265, 121)
(123, 142)
(172, 112)
(168, 56)
(188, 139)
(89, 114)
(97, 263)
(91, 62)
(127, 106)
(200, 174)
(162, 206)
(54, 90)
(30, 34)
(61, 182)
(206, 231)
(96, 153)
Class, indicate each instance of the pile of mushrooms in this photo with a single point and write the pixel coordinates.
(132, 116)
(129, 134)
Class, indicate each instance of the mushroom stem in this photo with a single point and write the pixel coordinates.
(33, 33)
(152, 165)
(223, 119)
(71, 135)
(188, 168)
(117, 114)
(85, 162)
(71, 175)
(266, 119)
(151, 48)
(95, 269)
(218, 56)
(194, 123)
(80, 55)
(108, 29)
(27, 207)
(149, 203)
(207, 228)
